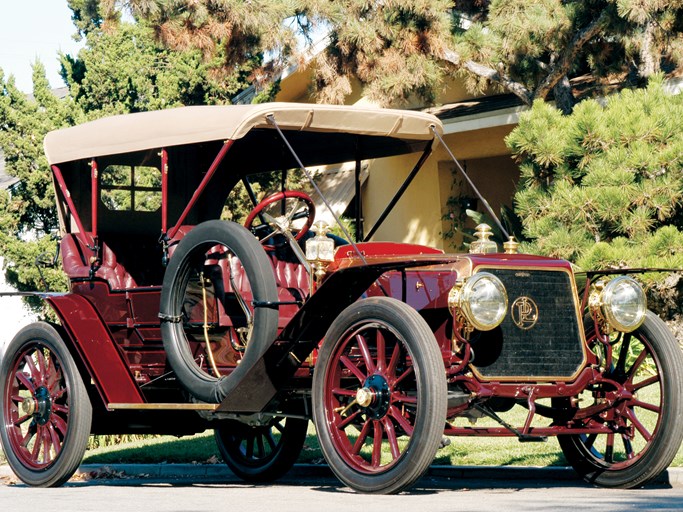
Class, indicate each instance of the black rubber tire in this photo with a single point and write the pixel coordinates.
(254, 454)
(402, 324)
(666, 436)
(259, 271)
(68, 404)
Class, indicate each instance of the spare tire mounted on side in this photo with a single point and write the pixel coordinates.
(190, 255)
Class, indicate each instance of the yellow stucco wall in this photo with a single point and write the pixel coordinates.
(418, 216)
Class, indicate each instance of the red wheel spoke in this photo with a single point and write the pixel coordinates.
(353, 368)
(36, 444)
(58, 394)
(24, 441)
(22, 419)
(609, 448)
(347, 421)
(42, 366)
(409, 371)
(393, 362)
(60, 408)
(59, 423)
(404, 399)
(628, 447)
(639, 426)
(21, 377)
(343, 392)
(35, 375)
(381, 352)
(53, 378)
(639, 360)
(358, 445)
(391, 436)
(47, 445)
(365, 351)
(644, 383)
(645, 405)
(377, 444)
(54, 439)
(401, 420)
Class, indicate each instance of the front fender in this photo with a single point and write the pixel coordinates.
(307, 328)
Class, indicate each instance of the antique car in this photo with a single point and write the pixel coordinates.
(178, 321)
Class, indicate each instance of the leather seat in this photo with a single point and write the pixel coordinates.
(77, 266)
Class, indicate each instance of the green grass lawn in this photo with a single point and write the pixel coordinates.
(201, 448)
(463, 451)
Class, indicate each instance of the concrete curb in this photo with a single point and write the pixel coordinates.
(217, 472)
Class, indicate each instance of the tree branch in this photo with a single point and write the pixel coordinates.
(491, 74)
(564, 63)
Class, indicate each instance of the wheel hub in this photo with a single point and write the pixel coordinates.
(40, 406)
(374, 397)
(364, 397)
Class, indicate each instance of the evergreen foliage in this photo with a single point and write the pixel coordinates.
(603, 187)
(400, 51)
(28, 215)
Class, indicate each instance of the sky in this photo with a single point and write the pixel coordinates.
(35, 29)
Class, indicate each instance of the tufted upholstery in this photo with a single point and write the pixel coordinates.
(77, 266)
(289, 275)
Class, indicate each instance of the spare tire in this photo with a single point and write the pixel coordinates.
(192, 258)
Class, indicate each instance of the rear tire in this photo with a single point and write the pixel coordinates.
(261, 453)
(46, 412)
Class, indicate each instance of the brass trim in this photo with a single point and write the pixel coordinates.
(579, 318)
(524, 312)
(164, 407)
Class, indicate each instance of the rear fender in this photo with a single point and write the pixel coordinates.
(94, 349)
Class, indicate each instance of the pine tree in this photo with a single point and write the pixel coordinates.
(603, 187)
(399, 50)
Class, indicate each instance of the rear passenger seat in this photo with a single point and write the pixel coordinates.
(77, 265)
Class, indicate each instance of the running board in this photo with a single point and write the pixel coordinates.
(163, 407)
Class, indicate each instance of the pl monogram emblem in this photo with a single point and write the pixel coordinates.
(524, 313)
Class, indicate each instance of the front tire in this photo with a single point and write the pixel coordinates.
(648, 427)
(379, 396)
(46, 412)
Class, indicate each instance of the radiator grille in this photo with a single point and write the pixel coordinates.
(551, 348)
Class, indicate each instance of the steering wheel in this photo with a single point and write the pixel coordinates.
(295, 205)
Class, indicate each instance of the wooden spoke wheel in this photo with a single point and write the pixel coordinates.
(46, 412)
(645, 427)
(379, 396)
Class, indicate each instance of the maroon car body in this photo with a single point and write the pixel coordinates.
(177, 321)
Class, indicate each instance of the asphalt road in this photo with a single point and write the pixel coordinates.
(325, 494)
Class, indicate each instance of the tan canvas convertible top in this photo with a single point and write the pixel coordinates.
(187, 125)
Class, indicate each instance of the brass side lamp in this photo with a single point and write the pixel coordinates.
(320, 250)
